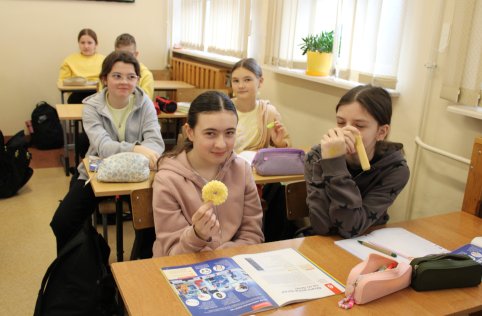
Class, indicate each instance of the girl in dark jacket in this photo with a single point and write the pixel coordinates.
(343, 198)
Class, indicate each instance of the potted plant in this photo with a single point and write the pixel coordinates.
(319, 49)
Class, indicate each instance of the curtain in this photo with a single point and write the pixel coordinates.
(216, 26)
(462, 66)
(192, 24)
(228, 27)
(368, 35)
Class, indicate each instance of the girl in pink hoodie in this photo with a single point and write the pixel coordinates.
(183, 222)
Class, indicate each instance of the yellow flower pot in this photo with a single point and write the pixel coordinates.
(318, 64)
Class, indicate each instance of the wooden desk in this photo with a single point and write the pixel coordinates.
(70, 112)
(175, 115)
(275, 179)
(171, 85)
(116, 189)
(146, 292)
(179, 119)
(64, 89)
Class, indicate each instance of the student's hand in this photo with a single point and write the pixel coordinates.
(205, 222)
(149, 153)
(279, 135)
(333, 144)
(338, 142)
(350, 132)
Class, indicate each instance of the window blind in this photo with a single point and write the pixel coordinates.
(462, 59)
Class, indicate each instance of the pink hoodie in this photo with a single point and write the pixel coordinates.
(177, 196)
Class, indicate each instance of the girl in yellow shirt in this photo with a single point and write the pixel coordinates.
(87, 63)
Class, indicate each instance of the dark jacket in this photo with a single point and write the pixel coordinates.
(347, 202)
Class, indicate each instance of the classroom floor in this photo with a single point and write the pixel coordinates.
(27, 244)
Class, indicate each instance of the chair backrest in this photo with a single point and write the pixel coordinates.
(473, 188)
(189, 94)
(141, 205)
(296, 206)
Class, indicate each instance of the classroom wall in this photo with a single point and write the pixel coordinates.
(38, 34)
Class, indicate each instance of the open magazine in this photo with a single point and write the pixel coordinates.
(473, 250)
(249, 283)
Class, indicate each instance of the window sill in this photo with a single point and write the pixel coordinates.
(329, 80)
(220, 60)
(227, 61)
(466, 110)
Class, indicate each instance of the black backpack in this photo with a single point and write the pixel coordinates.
(14, 164)
(79, 281)
(47, 130)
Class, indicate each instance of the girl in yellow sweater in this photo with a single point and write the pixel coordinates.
(87, 63)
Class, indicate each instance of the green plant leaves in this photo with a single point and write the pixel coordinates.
(322, 43)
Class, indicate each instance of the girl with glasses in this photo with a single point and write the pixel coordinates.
(120, 118)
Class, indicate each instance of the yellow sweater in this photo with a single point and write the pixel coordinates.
(79, 65)
(147, 81)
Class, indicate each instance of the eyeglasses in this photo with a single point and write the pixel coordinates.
(118, 77)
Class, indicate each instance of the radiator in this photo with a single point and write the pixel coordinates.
(199, 74)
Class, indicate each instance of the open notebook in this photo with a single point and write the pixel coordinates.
(406, 245)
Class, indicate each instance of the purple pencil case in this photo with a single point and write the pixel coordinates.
(279, 161)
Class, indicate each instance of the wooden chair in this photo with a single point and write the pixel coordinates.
(188, 95)
(473, 188)
(141, 205)
(142, 218)
(296, 207)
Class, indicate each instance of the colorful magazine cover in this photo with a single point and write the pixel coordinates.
(246, 284)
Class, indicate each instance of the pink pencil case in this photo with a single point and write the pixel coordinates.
(279, 161)
(366, 282)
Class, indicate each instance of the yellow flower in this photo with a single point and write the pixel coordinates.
(215, 191)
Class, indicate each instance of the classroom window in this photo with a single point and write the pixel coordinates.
(215, 26)
(368, 35)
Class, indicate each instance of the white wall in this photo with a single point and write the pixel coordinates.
(38, 34)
